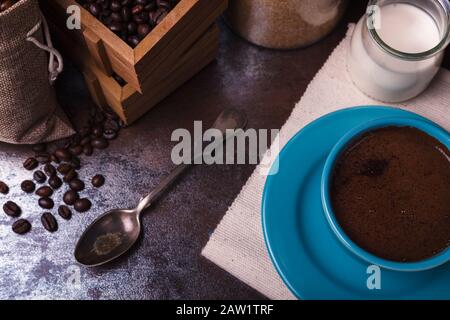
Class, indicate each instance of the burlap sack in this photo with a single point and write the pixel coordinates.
(29, 112)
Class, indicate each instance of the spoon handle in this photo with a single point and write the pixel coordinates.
(162, 186)
(228, 119)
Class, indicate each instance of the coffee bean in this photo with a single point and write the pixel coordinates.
(65, 212)
(132, 29)
(115, 5)
(99, 143)
(64, 168)
(126, 14)
(143, 30)
(12, 209)
(164, 4)
(88, 150)
(115, 26)
(70, 197)
(85, 141)
(46, 203)
(82, 205)
(95, 9)
(42, 157)
(54, 159)
(133, 41)
(44, 192)
(75, 140)
(63, 154)
(21, 226)
(30, 164)
(99, 117)
(75, 162)
(40, 147)
(97, 131)
(76, 185)
(98, 180)
(39, 176)
(76, 150)
(69, 176)
(112, 124)
(4, 189)
(109, 134)
(49, 222)
(55, 182)
(49, 170)
(28, 186)
(137, 9)
(150, 6)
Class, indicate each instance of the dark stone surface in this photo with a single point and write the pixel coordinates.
(166, 262)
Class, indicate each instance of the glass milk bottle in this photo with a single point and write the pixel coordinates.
(397, 47)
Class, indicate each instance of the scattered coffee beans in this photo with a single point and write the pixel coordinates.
(39, 176)
(63, 154)
(69, 176)
(21, 226)
(54, 158)
(70, 197)
(49, 222)
(49, 170)
(82, 205)
(30, 164)
(64, 168)
(46, 203)
(65, 212)
(76, 150)
(55, 182)
(97, 130)
(12, 209)
(88, 150)
(76, 163)
(101, 128)
(76, 185)
(4, 189)
(99, 143)
(28, 186)
(42, 157)
(44, 192)
(109, 134)
(98, 180)
(40, 147)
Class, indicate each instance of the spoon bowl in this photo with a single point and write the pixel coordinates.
(108, 237)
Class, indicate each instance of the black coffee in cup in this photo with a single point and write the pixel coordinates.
(390, 193)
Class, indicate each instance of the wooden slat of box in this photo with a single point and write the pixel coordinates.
(126, 101)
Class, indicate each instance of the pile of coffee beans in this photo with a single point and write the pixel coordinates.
(55, 165)
(131, 20)
(6, 4)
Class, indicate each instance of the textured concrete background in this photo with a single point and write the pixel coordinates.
(166, 262)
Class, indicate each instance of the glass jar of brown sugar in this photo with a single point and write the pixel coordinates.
(284, 24)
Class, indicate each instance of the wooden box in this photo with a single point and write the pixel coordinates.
(168, 41)
(127, 102)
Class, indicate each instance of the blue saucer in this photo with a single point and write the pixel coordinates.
(306, 253)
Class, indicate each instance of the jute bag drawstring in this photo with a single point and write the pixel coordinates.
(54, 67)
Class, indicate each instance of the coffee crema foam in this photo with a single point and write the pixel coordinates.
(390, 193)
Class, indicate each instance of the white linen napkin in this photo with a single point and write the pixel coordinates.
(237, 245)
